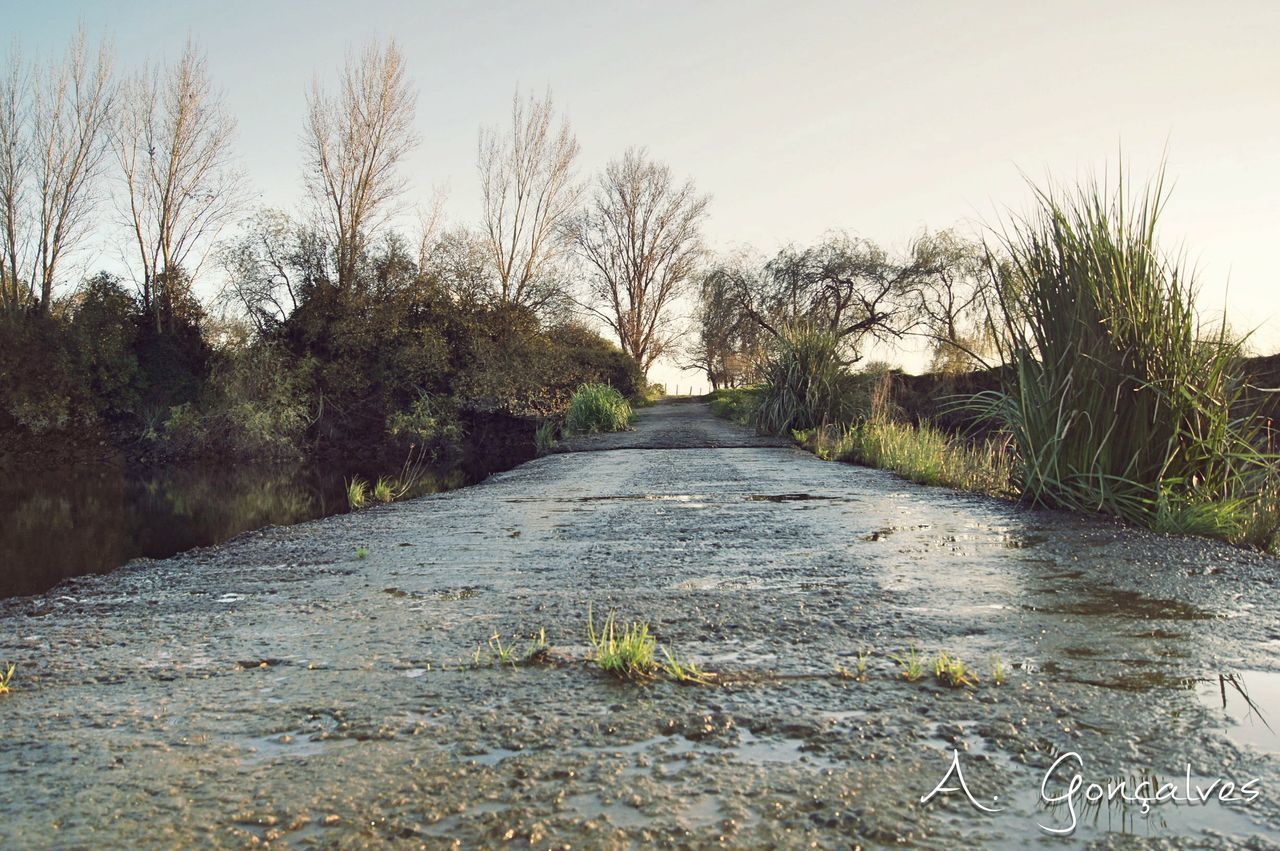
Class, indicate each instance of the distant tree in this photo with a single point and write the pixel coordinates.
(460, 262)
(172, 141)
(729, 341)
(528, 193)
(955, 296)
(355, 142)
(53, 138)
(640, 236)
(937, 289)
(267, 266)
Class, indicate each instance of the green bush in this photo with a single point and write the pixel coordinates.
(807, 383)
(1118, 400)
(431, 422)
(597, 407)
(737, 404)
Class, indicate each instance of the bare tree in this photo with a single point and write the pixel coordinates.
(528, 191)
(729, 342)
(460, 263)
(354, 142)
(53, 144)
(641, 237)
(954, 297)
(15, 152)
(172, 141)
(265, 270)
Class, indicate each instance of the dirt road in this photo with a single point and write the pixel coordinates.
(318, 685)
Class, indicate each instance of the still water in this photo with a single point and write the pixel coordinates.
(93, 519)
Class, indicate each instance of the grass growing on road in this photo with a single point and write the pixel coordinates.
(683, 671)
(999, 672)
(912, 665)
(597, 407)
(631, 653)
(628, 653)
(6, 677)
(952, 672)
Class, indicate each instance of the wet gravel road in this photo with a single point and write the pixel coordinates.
(317, 685)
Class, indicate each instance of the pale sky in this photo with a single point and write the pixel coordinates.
(798, 117)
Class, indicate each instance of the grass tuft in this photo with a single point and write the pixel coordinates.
(357, 493)
(362, 552)
(999, 672)
(1118, 398)
(546, 436)
(912, 665)
(6, 677)
(629, 653)
(920, 453)
(684, 671)
(595, 408)
(952, 672)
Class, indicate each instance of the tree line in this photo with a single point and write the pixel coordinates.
(146, 162)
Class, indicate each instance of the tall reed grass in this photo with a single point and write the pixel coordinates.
(806, 383)
(1119, 401)
(597, 407)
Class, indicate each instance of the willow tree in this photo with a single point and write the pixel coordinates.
(640, 236)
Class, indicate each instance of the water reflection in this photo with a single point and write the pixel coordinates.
(95, 518)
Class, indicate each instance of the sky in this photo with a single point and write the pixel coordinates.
(797, 118)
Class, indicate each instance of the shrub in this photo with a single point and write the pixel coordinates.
(806, 382)
(430, 422)
(597, 407)
(1116, 398)
(737, 404)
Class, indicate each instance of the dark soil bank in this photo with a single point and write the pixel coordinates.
(290, 687)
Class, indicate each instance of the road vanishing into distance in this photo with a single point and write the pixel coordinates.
(334, 683)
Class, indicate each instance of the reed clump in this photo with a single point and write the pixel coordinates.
(597, 408)
(1118, 399)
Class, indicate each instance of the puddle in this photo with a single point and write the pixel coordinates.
(786, 497)
(295, 745)
(758, 751)
(588, 805)
(1113, 602)
(492, 756)
(1248, 702)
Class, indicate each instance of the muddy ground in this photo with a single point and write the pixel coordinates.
(317, 685)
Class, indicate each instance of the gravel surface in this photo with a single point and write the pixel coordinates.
(318, 685)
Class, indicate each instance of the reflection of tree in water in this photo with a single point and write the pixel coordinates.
(81, 522)
(70, 524)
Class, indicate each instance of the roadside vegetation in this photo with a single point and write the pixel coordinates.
(597, 408)
(1111, 395)
(334, 334)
